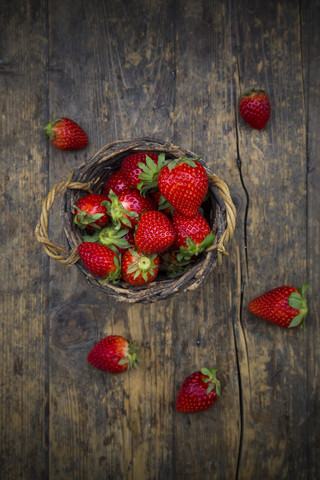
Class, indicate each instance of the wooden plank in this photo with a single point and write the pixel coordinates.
(204, 122)
(23, 332)
(123, 91)
(274, 387)
(310, 16)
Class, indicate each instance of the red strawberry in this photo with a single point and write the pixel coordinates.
(131, 169)
(255, 108)
(113, 354)
(117, 182)
(139, 268)
(110, 236)
(193, 235)
(100, 260)
(184, 184)
(284, 306)
(66, 134)
(126, 208)
(154, 233)
(198, 392)
(90, 213)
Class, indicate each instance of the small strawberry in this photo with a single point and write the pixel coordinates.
(255, 108)
(154, 232)
(198, 392)
(284, 306)
(90, 213)
(184, 184)
(131, 169)
(117, 182)
(139, 268)
(65, 134)
(113, 354)
(193, 235)
(125, 209)
(101, 261)
(110, 236)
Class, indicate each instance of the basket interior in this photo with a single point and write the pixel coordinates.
(97, 170)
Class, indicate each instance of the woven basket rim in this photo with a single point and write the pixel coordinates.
(107, 159)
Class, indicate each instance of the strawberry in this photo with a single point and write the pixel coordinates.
(184, 184)
(193, 235)
(117, 182)
(65, 134)
(198, 392)
(90, 213)
(113, 354)
(126, 208)
(131, 169)
(101, 261)
(255, 108)
(118, 240)
(284, 306)
(154, 232)
(139, 268)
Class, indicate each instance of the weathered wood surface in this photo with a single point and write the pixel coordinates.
(174, 70)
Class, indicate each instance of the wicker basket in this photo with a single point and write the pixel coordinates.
(91, 176)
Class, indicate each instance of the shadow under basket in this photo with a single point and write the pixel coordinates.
(91, 176)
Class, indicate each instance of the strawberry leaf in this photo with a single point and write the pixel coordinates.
(296, 301)
(297, 320)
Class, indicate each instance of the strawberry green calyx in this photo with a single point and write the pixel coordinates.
(117, 212)
(189, 161)
(252, 91)
(114, 276)
(192, 248)
(149, 174)
(131, 359)
(110, 236)
(211, 379)
(298, 301)
(48, 129)
(143, 264)
(83, 219)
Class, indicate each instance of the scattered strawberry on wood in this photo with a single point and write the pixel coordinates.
(199, 391)
(65, 134)
(284, 306)
(113, 354)
(255, 108)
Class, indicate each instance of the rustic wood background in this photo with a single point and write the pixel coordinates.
(173, 70)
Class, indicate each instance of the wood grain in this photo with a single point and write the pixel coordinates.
(173, 70)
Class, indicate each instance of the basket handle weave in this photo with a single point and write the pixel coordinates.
(70, 258)
(41, 231)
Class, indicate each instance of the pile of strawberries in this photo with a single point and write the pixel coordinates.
(147, 220)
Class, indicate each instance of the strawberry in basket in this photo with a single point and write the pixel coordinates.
(90, 212)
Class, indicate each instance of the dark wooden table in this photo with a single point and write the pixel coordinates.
(174, 70)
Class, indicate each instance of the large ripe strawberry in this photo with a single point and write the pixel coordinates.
(155, 232)
(198, 392)
(193, 235)
(255, 108)
(117, 182)
(90, 213)
(100, 260)
(112, 237)
(125, 209)
(65, 134)
(184, 184)
(139, 268)
(113, 354)
(284, 306)
(131, 169)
